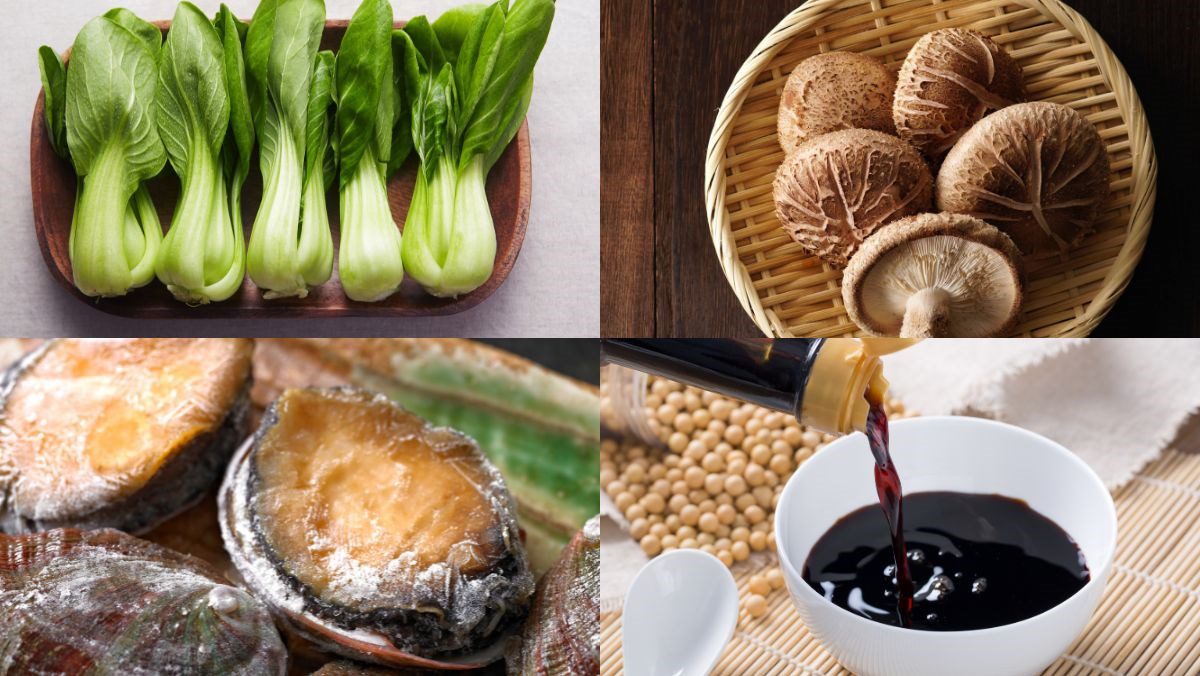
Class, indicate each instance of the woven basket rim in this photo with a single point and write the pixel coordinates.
(1145, 163)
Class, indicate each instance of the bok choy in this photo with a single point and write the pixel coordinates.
(291, 246)
(202, 259)
(100, 114)
(466, 109)
(368, 109)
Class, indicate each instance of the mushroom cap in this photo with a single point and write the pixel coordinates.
(1038, 171)
(835, 91)
(950, 79)
(837, 189)
(953, 275)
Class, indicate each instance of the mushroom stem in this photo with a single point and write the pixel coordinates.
(927, 314)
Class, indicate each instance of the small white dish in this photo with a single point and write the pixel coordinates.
(679, 614)
(969, 455)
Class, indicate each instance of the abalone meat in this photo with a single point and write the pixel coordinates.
(118, 433)
(103, 602)
(373, 534)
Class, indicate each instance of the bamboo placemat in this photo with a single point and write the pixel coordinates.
(789, 293)
(1148, 622)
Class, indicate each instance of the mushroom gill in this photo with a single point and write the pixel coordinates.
(935, 275)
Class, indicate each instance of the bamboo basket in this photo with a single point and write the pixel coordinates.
(789, 293)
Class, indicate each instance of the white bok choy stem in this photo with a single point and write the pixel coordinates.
(102, 108)
(369, 261)
(290, 89)
(202, 258)
(474, 83)
(450, 237)
(274, 255)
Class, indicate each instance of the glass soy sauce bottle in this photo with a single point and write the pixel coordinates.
(824, 382)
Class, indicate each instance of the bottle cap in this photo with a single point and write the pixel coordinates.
(846, 375)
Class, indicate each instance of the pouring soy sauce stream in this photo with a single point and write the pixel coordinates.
(891, 500)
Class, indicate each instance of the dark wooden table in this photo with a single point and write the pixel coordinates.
(666, 65)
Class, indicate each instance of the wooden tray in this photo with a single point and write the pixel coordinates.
(509, 190)
(789, 293)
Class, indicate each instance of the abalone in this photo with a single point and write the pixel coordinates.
(562, 633)
(374, 534)
(103, 602)
(118, 433)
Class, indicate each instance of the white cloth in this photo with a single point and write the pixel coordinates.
(553, 291)
(1116, 403)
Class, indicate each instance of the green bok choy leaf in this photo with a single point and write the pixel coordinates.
(202, 259)
(368, 110)
(466, 110)
(100, 113)
(291, 246)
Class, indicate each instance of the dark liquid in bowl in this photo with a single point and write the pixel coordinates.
(976, 561)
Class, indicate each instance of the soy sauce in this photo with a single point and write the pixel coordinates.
(891, 500)
(976, 561)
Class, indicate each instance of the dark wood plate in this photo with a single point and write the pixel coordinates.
(509, 189)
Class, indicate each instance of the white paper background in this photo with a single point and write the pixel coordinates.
(554, 290)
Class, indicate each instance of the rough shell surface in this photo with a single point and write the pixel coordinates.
(118, 433)
(562, 633)
(835, 91)
(396, 611)
(933, 243)
(103, 602)
(837, 189)
(1038, 171)
(950, 80)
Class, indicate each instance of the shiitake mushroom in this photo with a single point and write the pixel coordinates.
(835, 91)
(1038, 171)
(950, 80)
(837, 189)
(118, 433)
(935, 276)
(372, 533)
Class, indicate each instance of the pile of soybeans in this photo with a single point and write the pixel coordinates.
(714, 482)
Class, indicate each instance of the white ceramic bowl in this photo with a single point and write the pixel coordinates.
(968, 455)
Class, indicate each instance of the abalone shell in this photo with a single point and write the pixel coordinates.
(104, 602)
(562, 633)
(374, 534)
